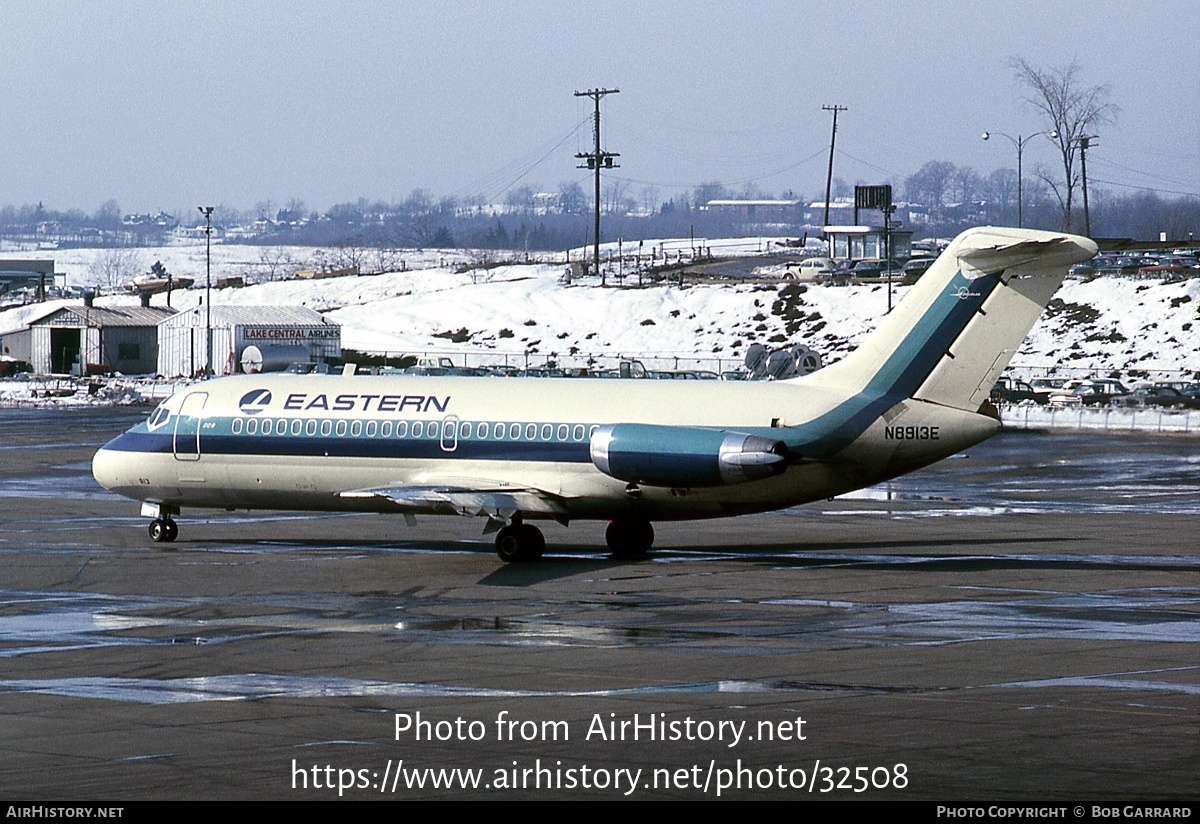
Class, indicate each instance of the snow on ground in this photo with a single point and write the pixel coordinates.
(1106, 324)
(253, 262)
(1117, 323)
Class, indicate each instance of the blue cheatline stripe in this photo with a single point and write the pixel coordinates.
(350, 447)
(908, 366)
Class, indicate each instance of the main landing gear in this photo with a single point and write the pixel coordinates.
(163, 530)
(520, 542)
(629, 538)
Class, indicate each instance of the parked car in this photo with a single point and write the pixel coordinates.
(1011, 390)
(1092, 392)
(1170, 266)
(1161, 396)
(875, 268)
(1048, 385)
(810, 269)
(912, 271)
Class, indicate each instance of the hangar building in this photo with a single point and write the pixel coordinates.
(82, 339)
(284, 333)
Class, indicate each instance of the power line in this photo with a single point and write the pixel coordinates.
(500, 173)
(871, 165)
(1145, 188)
(1105, 162)
(534, 165)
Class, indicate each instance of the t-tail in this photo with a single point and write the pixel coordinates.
(911, 393)
(948, 341)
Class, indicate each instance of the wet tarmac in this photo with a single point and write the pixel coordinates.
(1020, 622)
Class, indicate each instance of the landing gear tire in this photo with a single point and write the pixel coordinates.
(163, 530)
(629, 538)
(519, 543)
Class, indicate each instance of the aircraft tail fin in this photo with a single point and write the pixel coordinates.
(948, 341)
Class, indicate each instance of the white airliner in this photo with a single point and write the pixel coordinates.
(627, 451)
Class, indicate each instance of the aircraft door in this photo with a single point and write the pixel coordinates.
(187, 427)
(450, 433)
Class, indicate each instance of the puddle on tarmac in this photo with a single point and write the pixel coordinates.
(1165, 615)
(40, 622)
(260, 686)
(1102, 682)
(257, 686)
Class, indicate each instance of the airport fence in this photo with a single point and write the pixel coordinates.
(1105, 419)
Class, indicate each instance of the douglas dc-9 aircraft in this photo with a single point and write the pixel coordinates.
(627, 451)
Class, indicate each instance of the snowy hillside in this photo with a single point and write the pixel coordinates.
(1104, 325)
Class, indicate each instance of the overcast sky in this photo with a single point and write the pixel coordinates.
(168, 105)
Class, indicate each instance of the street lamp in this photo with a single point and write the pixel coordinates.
(1020, 142)
(207, 212)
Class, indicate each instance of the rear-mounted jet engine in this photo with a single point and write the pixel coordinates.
(684, 456)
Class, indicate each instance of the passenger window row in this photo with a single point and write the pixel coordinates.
(431, 430)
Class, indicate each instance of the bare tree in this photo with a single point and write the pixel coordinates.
(650, 199)
(114, 267)
(1000, 188)
(930, 184)
(1071, 110)
(966, 183)
(274, 263)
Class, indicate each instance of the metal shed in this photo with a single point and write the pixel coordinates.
(182, 338)
(84, 339)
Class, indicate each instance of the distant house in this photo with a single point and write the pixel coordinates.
(841, 212)
(758, 211)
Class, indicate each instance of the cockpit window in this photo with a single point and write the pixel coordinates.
(158, 417)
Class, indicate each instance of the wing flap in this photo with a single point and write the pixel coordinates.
(497, 502)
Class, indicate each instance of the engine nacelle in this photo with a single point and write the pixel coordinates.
(684, 456)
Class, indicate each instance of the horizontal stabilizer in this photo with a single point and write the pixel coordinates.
(1002, 255)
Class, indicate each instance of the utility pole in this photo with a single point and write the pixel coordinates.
(207, 212)
(835, 108)
(595, 159)
(1085, 142)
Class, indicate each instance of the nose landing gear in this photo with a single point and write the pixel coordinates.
(163, 530)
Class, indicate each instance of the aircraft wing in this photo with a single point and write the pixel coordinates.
(495, 500)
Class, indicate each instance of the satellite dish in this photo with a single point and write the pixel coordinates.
(756, 360)
(781, 364)
(808, 360)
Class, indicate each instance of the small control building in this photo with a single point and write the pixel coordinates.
(854, 243)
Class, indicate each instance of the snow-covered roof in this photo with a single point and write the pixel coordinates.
(111, 315)
(236, 315)
(14, 320)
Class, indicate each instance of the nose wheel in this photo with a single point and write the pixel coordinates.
(163, 530)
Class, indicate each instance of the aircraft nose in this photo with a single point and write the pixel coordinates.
(106, 468)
